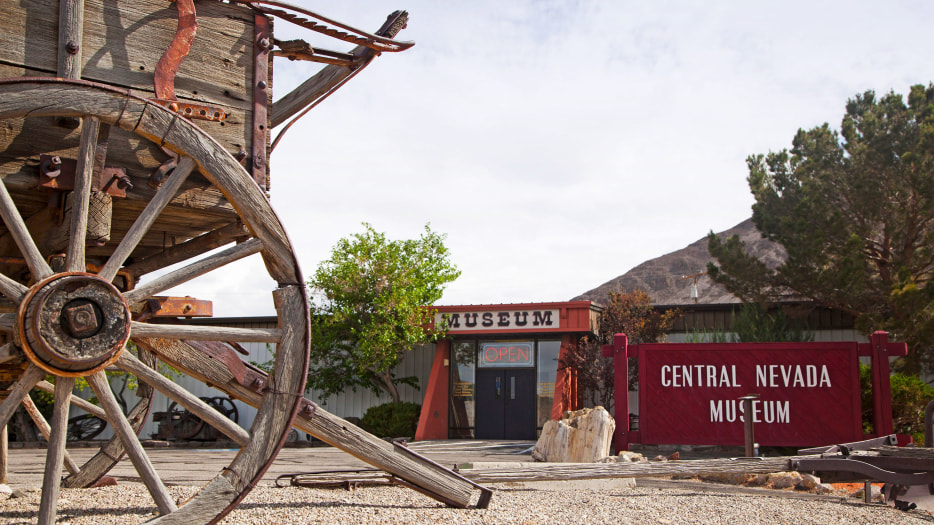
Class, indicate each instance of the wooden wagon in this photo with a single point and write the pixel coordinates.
(134, 138)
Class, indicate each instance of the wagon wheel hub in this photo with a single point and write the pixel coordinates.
(74, 324)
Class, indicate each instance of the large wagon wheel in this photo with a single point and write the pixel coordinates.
(73, 323)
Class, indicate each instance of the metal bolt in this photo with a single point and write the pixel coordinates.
(81, 320)
(51, 167)
(264, 43)
(72, 47)
(261, 84)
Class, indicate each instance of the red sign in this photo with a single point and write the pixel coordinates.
(809, 393)
(505, 354)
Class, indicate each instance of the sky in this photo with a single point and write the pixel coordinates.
(558, 144)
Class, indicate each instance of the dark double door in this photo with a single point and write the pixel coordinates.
(505, 403)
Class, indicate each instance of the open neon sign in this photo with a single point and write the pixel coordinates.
(506, 354)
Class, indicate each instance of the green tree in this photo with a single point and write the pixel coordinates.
(854, 211)
(370, 306)
(629, 313)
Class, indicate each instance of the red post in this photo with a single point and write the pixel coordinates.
(619, 351)
(433, 421)
(881, 390)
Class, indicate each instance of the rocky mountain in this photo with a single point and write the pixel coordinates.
(663, 277)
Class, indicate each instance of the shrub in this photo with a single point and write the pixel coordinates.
(392, 419)
(910, 395)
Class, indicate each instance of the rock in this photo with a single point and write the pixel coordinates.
(19, 493)
(730, 478)
(583, 436)
(675, 456)
(826, 488)
(630, 457)
(5, 489)
(784, 480)
(105, 481)
(808, 482)
(659, 458)
(759, 480)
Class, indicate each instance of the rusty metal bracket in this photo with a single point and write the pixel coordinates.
(262, 44)
(245, 375)
(167, 68)
(58, 174)
(171, 307)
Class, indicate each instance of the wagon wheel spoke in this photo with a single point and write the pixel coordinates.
(21, 388)
(149, 215)
(207, 333)
(87, 406)
(51, 479)
(46, 429)
(81, 196)
(131, 443)
(192, 403)
(24, 241)
(193, 270)
(7, 322)
(13, 290)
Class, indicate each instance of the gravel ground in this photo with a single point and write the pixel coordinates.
(512, 503)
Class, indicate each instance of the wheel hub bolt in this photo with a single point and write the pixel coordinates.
(81, 320)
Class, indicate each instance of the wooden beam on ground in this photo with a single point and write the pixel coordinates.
(579, 471)
(420, 474)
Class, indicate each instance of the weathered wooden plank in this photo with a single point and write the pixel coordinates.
(124, 39)
(70, 31)
(578, 471)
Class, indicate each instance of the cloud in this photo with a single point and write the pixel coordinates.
(559, 144)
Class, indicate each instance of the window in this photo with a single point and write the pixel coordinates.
(462, 389)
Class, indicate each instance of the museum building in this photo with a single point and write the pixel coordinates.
(496, 375)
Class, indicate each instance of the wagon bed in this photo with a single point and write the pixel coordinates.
(135, 137)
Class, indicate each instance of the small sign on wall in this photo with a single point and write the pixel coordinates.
(500, 320)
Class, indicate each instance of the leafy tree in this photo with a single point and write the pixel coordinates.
(854, 211)
(627, 313)
(370, 306)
